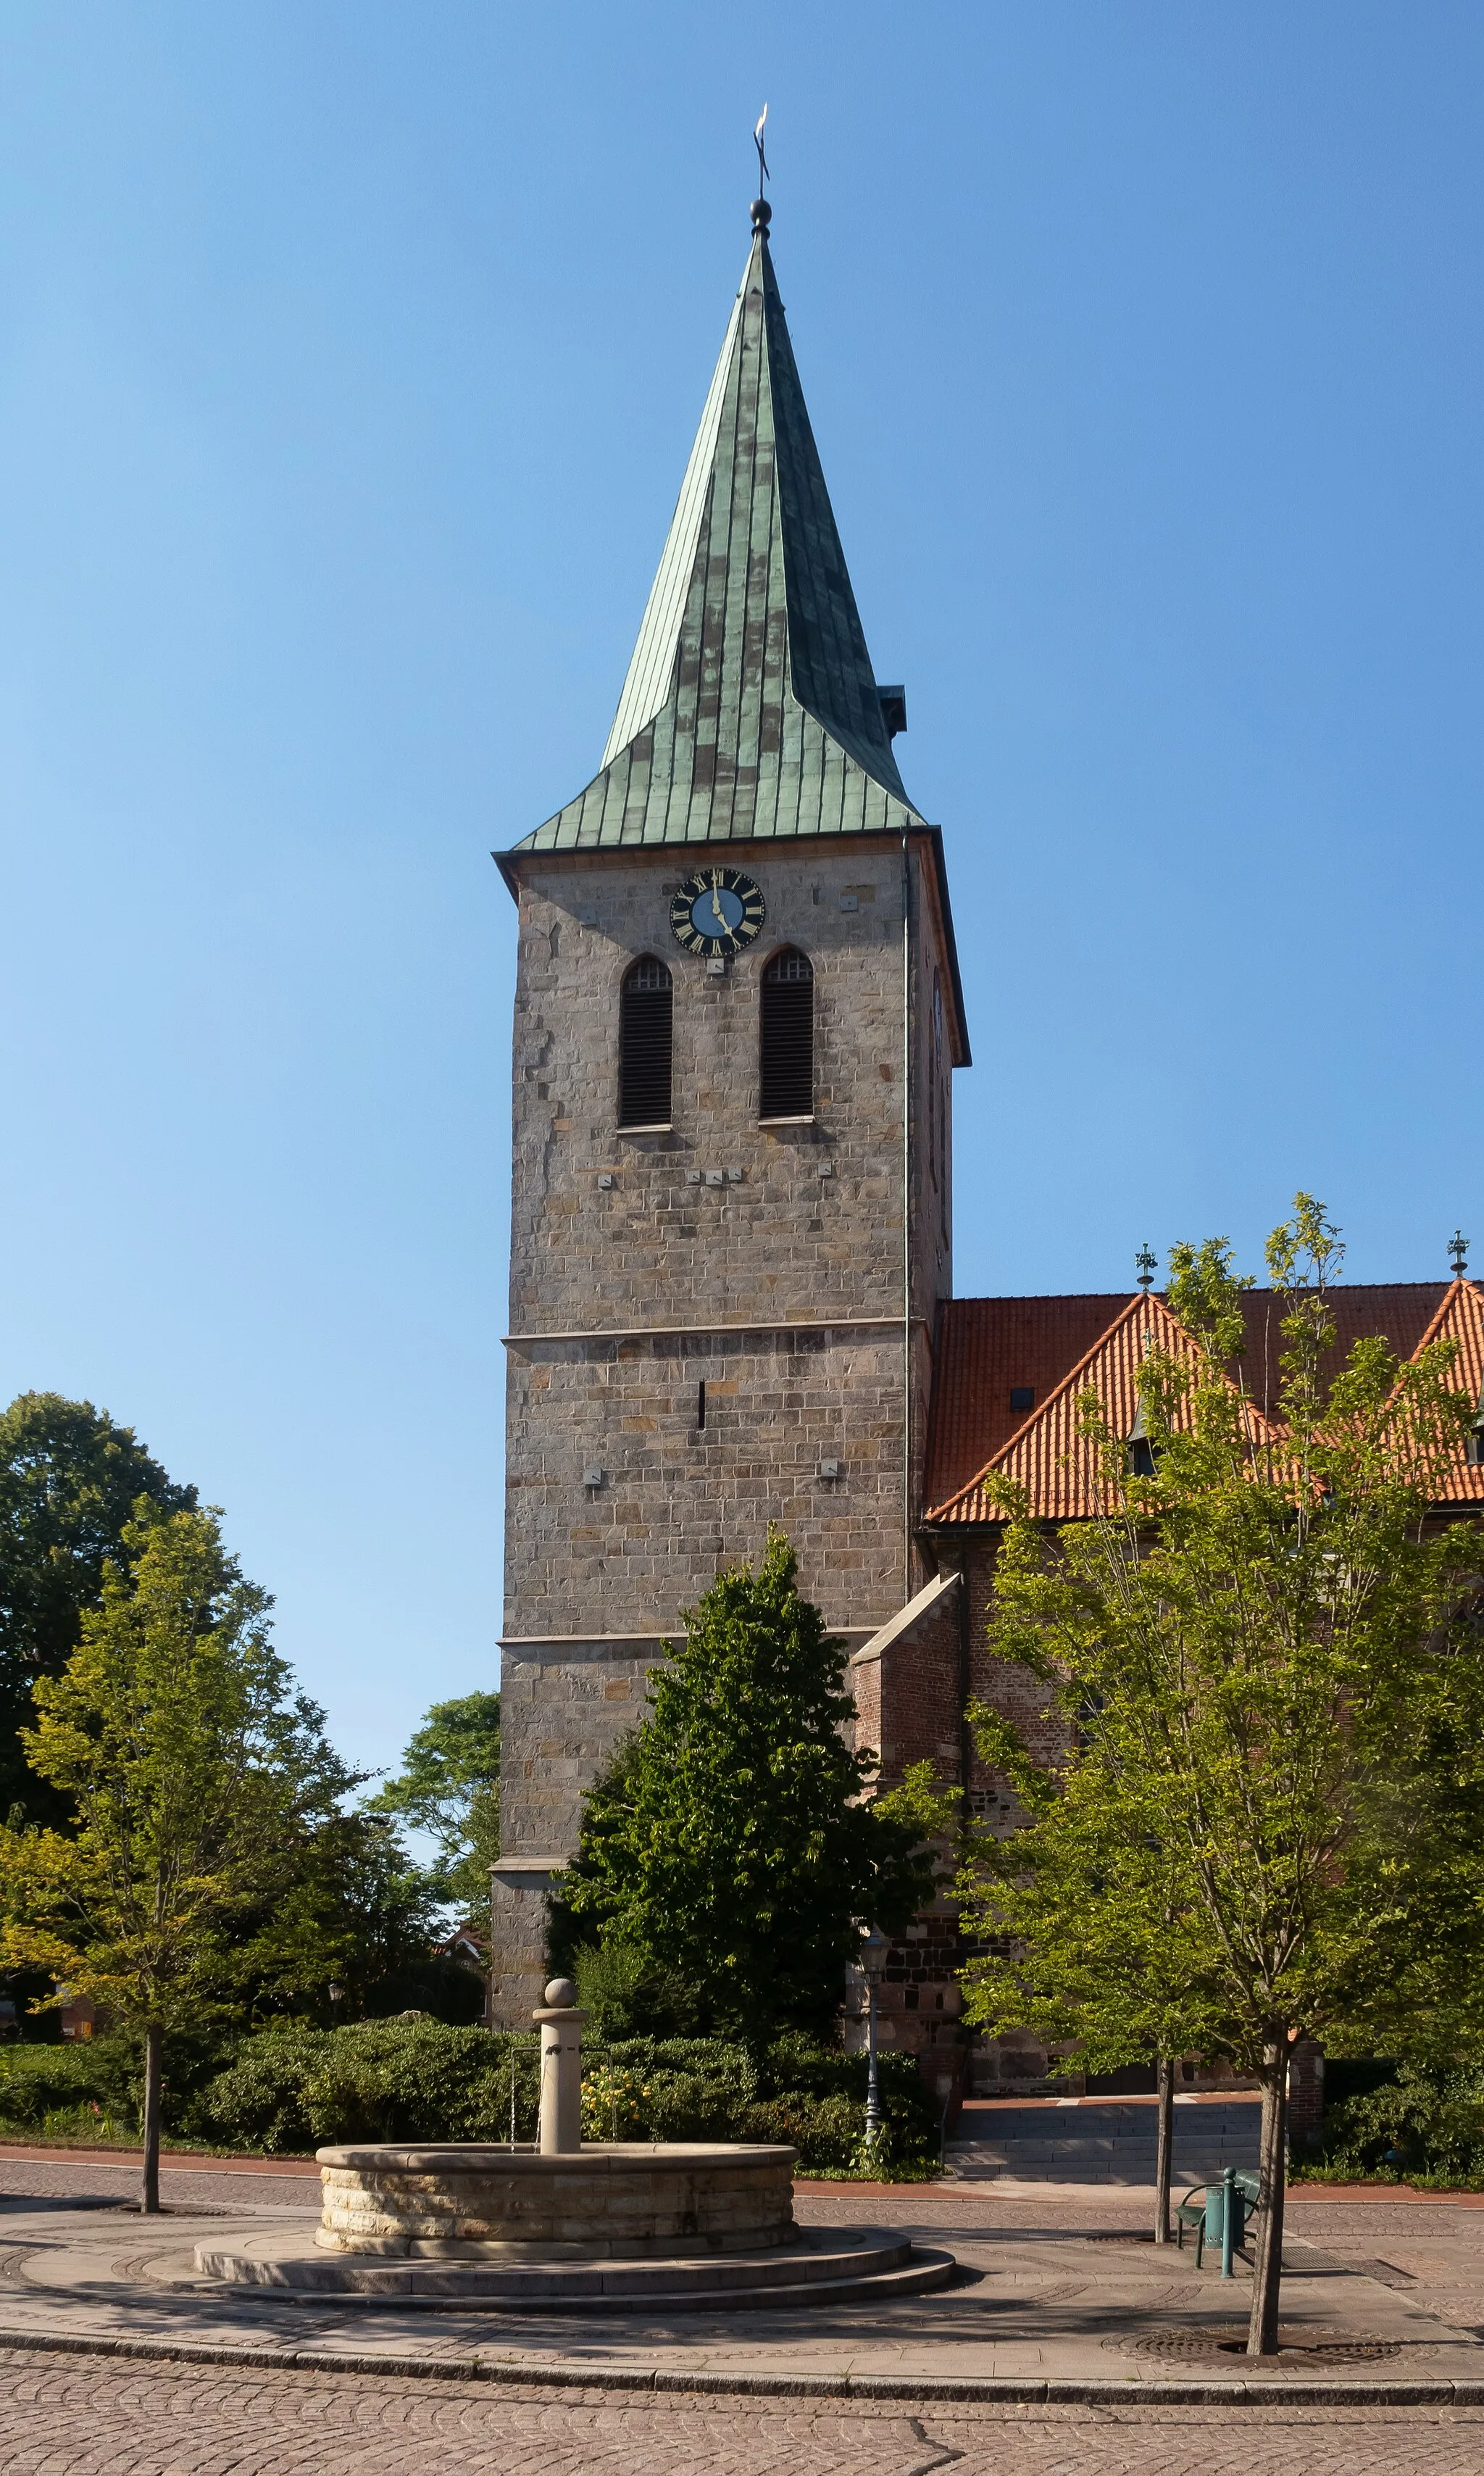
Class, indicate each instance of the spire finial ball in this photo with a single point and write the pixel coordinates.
(762, 215)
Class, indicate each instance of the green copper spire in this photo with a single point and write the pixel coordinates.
(751, 708)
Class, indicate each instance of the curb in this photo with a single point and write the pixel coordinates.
(658, 2381)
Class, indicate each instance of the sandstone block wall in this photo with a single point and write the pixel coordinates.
(627, 1489)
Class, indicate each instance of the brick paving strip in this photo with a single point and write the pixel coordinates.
(86, 2154)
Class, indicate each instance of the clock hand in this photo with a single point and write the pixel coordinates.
(716, 905)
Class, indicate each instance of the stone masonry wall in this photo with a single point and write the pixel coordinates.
(716, 1221)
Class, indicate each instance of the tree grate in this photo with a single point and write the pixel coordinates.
(1197, 2342)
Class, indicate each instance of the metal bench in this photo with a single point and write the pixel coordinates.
(1204, 2208)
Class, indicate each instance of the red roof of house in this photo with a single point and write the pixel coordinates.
(1063, 1346)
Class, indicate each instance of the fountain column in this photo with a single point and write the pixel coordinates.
(561, 2070)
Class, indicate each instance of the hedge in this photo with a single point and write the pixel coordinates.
(294, 2089)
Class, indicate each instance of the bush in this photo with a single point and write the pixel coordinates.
(613, 2104)
(814, 2097)
(374, 2080)
(259, 2102)
(794, 2069)
(826, 2131)
(1427, 2125)
(294, 2089)
(89, 2088)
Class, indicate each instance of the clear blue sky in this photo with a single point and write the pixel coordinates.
(351, 357)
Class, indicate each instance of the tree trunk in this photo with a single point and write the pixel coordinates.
(1164, 2153)
(1262, 2338)
(154, 2058)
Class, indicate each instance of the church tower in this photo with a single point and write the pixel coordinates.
(737, 1011)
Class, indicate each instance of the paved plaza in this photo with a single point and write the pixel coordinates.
(1056, 2294)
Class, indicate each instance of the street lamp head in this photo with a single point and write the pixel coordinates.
(874, 1949)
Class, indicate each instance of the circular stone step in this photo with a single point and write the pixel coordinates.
(827, 2267)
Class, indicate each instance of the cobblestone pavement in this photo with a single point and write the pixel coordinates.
(1046, 2292)
(76, 2417)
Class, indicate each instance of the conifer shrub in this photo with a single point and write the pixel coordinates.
(730, 1848)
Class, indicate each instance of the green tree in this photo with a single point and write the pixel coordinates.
(345, 1933)
(69, 1480)
(730, 1840)
(1256, 1655)
(449, 1787)
(164, 1730)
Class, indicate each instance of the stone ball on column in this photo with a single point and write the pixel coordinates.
(560, 1995)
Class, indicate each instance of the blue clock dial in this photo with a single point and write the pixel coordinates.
(716, 912)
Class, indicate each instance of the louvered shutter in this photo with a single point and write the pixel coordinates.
(786, 1082)
(646, 1011)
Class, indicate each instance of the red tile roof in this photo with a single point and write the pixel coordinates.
(1460, 1318)
(986, 1345)
(1400, 1311)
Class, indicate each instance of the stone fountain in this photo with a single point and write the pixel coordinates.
(608, 2225)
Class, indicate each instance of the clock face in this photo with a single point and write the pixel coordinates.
(717, 912)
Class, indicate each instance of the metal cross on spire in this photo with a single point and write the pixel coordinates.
(763, 212)
(1147, 1260)
(1458, 1248)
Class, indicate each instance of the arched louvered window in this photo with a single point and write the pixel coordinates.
(786, 1083)
(646, 1011)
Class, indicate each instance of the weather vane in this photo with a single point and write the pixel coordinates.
(763, 212)
(1458, 1248)
(1147, 1260)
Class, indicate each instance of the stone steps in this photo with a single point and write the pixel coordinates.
(828, 2266)
(1099, 2143)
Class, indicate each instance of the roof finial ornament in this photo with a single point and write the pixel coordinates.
(763, 212)
(1147, 1260)
(1458, 1248)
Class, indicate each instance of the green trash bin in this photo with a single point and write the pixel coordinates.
(1215, 2204)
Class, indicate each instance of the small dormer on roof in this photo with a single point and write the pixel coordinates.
(1142, 1449)
(751, 708)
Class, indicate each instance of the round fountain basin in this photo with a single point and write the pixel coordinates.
(610, 2200)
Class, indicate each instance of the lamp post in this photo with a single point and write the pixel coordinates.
(874, 1948)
